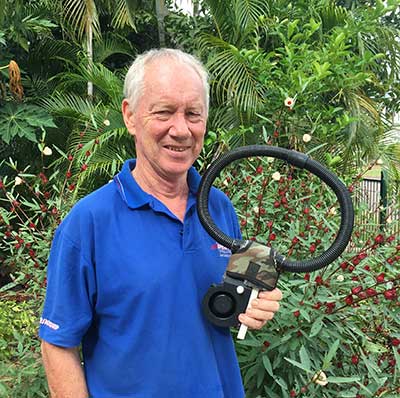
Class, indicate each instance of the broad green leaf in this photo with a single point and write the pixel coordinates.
(340, 380)
(299, 365)
(317, 326)
(267, 365)
(331, 353)
(304, 358)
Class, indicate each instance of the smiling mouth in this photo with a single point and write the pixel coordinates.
(176, 148)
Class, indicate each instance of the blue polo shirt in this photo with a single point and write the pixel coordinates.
(126, 279)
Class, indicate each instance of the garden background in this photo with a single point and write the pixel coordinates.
(318, 76)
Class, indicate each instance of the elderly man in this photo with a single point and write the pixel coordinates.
(130, 264)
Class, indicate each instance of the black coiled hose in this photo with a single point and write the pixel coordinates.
(296, 159)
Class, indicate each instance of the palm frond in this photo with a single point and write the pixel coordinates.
(235, 82)
(247, 12)
(108, 84)
(221, 13)
(333, 16)
(111, 44)
(105, 81)
(81, 14)
(223, 117)
(124, 15)
(69, 106)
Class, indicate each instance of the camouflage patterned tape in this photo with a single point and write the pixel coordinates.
(255, 263)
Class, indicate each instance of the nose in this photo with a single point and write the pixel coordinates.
(179, 128)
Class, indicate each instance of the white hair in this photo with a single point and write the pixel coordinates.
(134, 79)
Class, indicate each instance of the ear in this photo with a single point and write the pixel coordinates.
(128, 116)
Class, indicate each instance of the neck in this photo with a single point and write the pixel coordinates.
(157, 185)
(173, 192)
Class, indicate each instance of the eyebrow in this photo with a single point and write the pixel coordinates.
(166, 104)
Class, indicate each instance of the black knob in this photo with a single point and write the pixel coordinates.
(222, 305)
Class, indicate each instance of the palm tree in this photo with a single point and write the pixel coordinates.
(256, 59)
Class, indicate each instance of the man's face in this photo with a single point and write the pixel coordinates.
(169, 120)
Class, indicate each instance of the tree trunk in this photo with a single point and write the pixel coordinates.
(90, 55)
(161, 12)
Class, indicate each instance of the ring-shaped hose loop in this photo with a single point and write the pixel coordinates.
(296, 159)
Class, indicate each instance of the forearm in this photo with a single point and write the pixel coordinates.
(64, 372)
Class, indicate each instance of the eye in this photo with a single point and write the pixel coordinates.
(193, 115)
(163, 114)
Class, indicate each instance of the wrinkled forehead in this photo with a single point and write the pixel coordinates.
(173, 77)
(171, 68)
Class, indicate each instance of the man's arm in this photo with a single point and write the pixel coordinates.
(64, 372)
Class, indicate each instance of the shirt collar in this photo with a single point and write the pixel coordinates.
(134, 196)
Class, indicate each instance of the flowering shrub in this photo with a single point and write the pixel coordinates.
(33, 202)
(336, 335)
(338, 331)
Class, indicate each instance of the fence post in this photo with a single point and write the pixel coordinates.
(383, 202)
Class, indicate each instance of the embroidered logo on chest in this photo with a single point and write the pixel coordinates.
(222, 250)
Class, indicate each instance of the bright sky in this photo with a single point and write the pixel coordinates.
(185, 5)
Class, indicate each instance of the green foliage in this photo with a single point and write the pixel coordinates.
(337, 331)
(330, 62)
(23, 374)
(23, 121)
(338, 64)
(32, 206)
(17, 317)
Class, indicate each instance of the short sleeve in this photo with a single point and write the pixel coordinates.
(70, 294)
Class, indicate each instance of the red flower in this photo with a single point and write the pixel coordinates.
(395, 342)
(356, 290)
(43, 178)
(362, 255)
(390, 294)
(354, 359)
(356, 261)
(380, 278)
(296, 313)
(379, 239)
(349, 300)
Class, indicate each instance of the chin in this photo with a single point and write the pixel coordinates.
(177, 169)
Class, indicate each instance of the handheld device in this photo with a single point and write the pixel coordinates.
(254, 266)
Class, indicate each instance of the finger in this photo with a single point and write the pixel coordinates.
(265, 305)
(251, 322)
(259, 314)
(275, 294)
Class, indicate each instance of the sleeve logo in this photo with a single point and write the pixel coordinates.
(50, 324)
